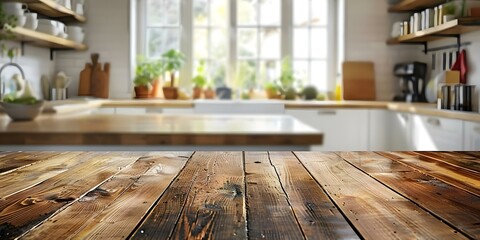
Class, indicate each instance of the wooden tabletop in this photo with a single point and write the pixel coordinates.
(158, 129)
(240, 195)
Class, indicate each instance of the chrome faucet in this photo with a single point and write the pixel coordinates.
(10, 64)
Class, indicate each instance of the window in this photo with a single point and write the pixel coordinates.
(243, 42)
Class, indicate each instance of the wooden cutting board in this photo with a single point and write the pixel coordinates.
(84, 84)
(358, 81)
(94, 79)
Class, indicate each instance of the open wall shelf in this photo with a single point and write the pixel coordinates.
(454, 27)
(414, 5)
(52, 9)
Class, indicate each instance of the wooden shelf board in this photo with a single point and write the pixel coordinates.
(45, 40)
(414, 5)
(458, 26)
(52, 9)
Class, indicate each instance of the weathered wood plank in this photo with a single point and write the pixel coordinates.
(376, 211)
(319, 218)
(34, 174)
(21, 211)
(270, 215)
(215, 207)
(11, 161)
(442, 200)
(455, 158)
(99, 213)
(162, 219)
(465, 179)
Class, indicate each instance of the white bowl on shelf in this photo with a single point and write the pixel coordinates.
(48, 27)
(21, 20)
(76, 37)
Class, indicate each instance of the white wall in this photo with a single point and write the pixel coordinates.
(107, 33)
(367, 28)
(34, 62)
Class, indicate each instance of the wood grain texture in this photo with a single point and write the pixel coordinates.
(158, 129)
(376, 211)
(76, 218)
(319, 218)
(270, 215)
(162, 219)
(442, 200)
(34, 174)
(215, 207)
(23, 210)
(458, 159)
(120, 218)
(11, 161)
(460, 177)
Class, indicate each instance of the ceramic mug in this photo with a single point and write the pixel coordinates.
(32, 21)
(11, 7)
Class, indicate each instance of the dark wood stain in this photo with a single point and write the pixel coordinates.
(239, 195)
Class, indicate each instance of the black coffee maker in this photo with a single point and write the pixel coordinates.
(411, 77)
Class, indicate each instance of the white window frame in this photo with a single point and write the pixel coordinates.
(186, 46)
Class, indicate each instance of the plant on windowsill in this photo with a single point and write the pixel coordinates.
(173, 62)
(287, 80)
(199, 81)
(272, 89)
(147, 77)
(209, 92)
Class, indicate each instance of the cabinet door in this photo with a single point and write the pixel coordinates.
(388, 131)
(343, 129)
(437, 134)
(471, 134)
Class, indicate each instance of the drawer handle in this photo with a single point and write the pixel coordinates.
(327, 112)
(434, 121)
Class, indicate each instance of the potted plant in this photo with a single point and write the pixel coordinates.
(147, 75)
(272, 90)
(199, 81)
(209, 92)
(173, 61)
(287, 80)
(449, 11)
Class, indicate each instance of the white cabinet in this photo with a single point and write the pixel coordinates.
(471, 135)
(434, 134)
(399, 131)
(343, 129)
(389, 131)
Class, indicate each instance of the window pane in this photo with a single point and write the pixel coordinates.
(247, 42)
(270, 43)
(200, 44)
(200, 12)
(318, 74)
(319, 43)
(301, 12)
(172, 12)
(160, 40)
(301, 71)
(155, 16)
(319, 12)
(247, 12)
(219, 12)
(246, 74)
(270, 12)
(269, 71)
(300, 43)
(219, 44)
(218, 73)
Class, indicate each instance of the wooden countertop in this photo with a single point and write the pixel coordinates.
(239, 195)
(158, 129)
